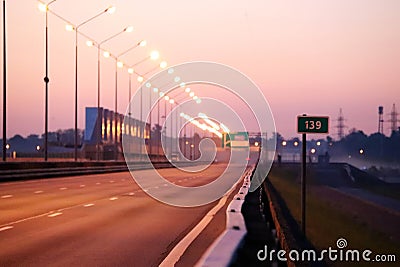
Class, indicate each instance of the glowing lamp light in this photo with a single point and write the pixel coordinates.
(42, 7)
(161, 94)
(110, 9)
(318, 143)
(166, 97)
(129, 29)
(130, 70)
(143, 43)
(187, 90)
(163, 64)
(154, 55)
(140, 79)
(191, 94)
(256, 143)
(296, 143)
(120, 64)
(361, 151)
(89, 43)
(284, 143)
(313, 150)
(37, 148)
(106, 54)
(69, 27)
(171, 101)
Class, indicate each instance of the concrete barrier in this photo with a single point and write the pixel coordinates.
(223, 250)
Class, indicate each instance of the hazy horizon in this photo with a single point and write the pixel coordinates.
(309, 57)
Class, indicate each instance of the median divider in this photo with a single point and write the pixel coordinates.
(222, 251)
(40, 170)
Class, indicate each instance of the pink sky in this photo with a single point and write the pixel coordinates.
(306, 56)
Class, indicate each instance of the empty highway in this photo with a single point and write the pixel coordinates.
(102, 220)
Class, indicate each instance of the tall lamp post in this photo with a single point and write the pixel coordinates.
(45, 8)
(4, 84)
(109, 10)
(154, 55)
(105, 54)
(120, 64)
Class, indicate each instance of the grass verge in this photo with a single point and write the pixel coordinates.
(326, 223)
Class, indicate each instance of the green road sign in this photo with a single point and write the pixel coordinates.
(309, 124)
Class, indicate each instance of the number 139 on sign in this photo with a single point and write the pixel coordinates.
(308, 124)
(311, 125)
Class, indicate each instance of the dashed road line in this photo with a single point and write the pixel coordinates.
(82, 185)
(38, 192)
(54, 214)
(63, 188)
(88, 205)
(6, 228)
(113, 198)
(6, 196)
(98, 183)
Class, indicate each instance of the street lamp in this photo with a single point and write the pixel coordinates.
(108, 10)
(45, 8)
(4, 84)
(120, 64)
(105, 54)
(154, 55)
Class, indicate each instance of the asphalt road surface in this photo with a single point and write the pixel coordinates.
(94, 220)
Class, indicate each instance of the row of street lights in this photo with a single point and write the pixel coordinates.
(118, 64)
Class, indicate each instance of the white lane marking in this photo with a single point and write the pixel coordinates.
(176, 253)
(131, 194)
(165, 184)
(98, 183)
(38, 192)
(82, 185)
(88, 205)
(111, 181)
(179, 181)
(6, 196)
(113, 198)
(6, 228)
(63, 188)
(54, 214)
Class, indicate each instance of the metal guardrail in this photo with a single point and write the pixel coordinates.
(222, 251)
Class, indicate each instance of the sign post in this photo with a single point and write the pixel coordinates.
(308, 124)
